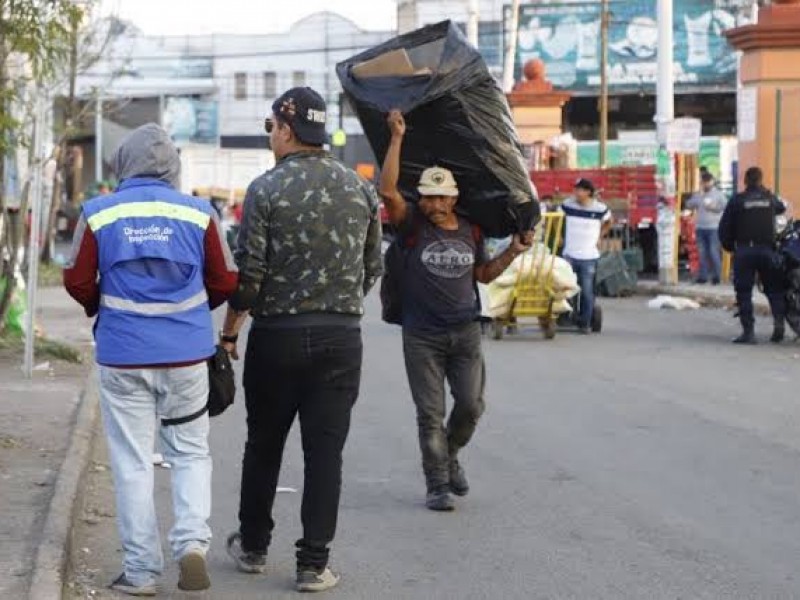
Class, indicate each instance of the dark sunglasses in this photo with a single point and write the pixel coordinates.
(270, 124)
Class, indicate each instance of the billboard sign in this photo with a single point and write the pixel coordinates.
(566, 36)
(191, 120)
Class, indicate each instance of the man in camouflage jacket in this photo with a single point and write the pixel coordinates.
(308, 251)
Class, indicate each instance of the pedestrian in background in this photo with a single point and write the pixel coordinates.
(150, 263)
(708, 204)
(747, 228)
(587, 222)
(309, 250)
(441, 332)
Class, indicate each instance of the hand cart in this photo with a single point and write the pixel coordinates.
(533, 293)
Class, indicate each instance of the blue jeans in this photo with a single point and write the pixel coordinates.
(131, 400)
(586, 271)
(710, 254)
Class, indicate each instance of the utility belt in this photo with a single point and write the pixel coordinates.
(752, 244)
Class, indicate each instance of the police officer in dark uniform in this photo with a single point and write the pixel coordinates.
(747, 229)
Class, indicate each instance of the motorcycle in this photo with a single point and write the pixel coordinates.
(788, 250)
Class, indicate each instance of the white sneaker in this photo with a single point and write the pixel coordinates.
(194, 572)
(311, 581)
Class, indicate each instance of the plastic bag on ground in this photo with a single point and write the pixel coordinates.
(457, 117)
(17, 311)
(673, 303)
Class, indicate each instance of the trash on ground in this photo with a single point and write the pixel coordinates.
(673, 303)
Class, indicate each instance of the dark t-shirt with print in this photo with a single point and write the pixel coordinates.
(439, 279)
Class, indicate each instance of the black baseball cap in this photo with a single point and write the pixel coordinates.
(305, 111)
(585, 184)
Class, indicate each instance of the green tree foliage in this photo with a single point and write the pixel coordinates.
(35, 43)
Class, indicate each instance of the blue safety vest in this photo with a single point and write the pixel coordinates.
(153, 303)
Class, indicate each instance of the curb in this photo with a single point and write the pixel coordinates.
(47, 580)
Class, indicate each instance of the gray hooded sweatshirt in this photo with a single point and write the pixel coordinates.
(148, 151)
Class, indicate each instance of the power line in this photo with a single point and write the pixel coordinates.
(256, 54)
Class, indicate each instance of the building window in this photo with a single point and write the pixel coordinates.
(240, 86)
(270, 85)
(298, 78)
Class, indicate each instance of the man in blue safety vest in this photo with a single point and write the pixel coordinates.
(150, 263)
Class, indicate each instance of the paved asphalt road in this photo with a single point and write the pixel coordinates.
(654, 461)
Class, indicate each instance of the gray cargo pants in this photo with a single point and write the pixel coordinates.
(431, 358)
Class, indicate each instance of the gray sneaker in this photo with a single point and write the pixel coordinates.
(458, 479)
(194, 572)
(121, 584)
(311, 581)
(246, 562)
(440, 500)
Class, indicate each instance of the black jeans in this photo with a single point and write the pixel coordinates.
(431, 358)
(747, 262)
(313, 372)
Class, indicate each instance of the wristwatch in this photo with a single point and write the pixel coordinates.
(228, 339)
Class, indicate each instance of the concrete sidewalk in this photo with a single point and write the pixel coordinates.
(36, 423)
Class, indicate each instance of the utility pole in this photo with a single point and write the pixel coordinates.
(511, 48)
(98, 138)
(604, 18)
(667, 224)
(473, 18)
(665, 86)
(35, 234)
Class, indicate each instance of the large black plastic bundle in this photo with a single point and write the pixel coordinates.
(457, 117)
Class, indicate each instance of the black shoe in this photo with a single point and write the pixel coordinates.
(246, 562)
(701, 281)
(440, 500)
(747, 337)
(778, 333)
(715, 281)
(458, 479)
(584, 330)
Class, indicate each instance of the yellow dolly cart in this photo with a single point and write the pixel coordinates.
(533, 293)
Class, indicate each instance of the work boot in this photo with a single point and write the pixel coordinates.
(458, 479)
(439, 499)
(748, 337)
(778, 331)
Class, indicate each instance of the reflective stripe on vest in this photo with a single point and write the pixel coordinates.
(153, 308)
(157, 208)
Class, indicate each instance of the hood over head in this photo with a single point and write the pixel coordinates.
(148, 151)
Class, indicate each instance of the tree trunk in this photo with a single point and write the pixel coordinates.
(71, 108)
(49, 234)
(8, 266)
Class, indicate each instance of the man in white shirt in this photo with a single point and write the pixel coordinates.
(587, 221)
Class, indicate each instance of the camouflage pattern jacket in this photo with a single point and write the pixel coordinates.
(310, 239)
